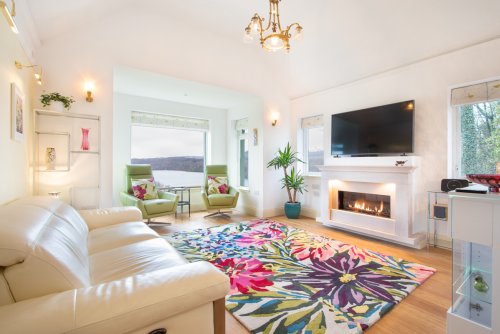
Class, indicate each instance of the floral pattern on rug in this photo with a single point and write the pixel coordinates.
(287, 280)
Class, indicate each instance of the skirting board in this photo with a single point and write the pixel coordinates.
(417, 241)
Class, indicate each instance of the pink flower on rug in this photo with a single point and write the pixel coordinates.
(263, 235)
(245, 274)
(304, 247)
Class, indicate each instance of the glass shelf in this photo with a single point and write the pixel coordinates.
(467, 289)
(85, 152)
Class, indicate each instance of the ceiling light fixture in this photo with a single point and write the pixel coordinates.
(9, 14)
(272, 37)
(38, 75)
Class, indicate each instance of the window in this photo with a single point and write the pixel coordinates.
(175, 147)
(242, 132)
(312, 128)
(477, 124)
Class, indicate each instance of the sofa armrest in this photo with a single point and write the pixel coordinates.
(103, 217)
(118, 306)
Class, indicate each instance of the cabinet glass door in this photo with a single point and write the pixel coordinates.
(472, 285)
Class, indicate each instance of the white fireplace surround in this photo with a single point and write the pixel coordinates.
(396, 182)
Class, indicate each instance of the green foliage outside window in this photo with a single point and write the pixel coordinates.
(480, 137)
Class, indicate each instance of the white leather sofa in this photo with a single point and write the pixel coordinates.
(99, 271)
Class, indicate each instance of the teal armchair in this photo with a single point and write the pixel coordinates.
(165, 204)
(218, 201)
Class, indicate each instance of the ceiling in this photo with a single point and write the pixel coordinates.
(157, 86)
(344, 40)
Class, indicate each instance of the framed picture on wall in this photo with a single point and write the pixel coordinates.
(17, 112)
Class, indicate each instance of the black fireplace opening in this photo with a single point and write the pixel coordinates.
(370, 204)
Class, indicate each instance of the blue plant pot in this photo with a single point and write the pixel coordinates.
(292, 210)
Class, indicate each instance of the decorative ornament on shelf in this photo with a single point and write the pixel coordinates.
(50, 157)
(63, 101)
(85, 139)
(272, 37)
(480, 284)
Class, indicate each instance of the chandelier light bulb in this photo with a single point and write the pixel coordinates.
(298, 33)
(248, 38)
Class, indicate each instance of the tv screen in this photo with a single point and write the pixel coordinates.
(374, 131)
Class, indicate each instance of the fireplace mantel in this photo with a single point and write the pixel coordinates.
(396, 181)
(372, 169)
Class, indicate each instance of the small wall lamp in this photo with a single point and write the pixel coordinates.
(9, 15)
(89, 88)
(38, 75)
(274, 118)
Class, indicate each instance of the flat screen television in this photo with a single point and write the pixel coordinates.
(383, 130)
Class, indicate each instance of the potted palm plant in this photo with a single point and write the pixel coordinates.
(292, 181)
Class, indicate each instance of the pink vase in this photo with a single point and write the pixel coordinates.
(85, 139)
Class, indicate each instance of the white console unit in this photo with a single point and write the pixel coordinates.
(475, 223)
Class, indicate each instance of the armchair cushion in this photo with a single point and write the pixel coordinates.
(156, 206)
(217, 185)
(144, 189)
(220, 199)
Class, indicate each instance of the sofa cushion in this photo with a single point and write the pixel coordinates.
(118, 235)
(220, 199)
(157, 206)
(46, 252)
(137, 258)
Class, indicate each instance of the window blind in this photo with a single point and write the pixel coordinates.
(168, 121)
(483, 92)
(241, 124)
(312, 122)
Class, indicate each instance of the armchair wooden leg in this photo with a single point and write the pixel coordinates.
(219, 306)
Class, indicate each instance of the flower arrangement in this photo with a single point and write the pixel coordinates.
(47, 99)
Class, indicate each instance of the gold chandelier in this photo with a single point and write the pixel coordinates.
(272, 37)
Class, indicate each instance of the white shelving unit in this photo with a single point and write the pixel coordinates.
(77, 173)
(475, 222)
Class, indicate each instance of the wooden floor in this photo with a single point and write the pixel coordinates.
(422, 312)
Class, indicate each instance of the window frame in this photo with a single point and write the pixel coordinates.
(242, 134)
(455, 130)
(205, 142)
(305, 148)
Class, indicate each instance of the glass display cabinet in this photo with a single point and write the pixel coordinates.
(475, 220)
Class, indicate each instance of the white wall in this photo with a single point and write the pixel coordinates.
(251, 199)
(15, 155)
(428, 83)
(166, 46)
(124, 104)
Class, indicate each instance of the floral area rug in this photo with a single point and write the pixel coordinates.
(286, 280)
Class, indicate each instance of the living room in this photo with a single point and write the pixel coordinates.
(235, 104)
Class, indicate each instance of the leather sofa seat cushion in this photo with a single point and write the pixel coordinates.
(220, 199)
(137, 258)
(156, 206)
(118, 235)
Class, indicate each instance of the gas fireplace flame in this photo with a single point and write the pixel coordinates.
(363, 207)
